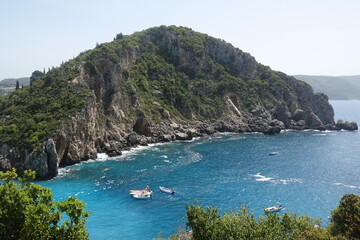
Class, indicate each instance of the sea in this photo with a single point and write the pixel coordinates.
(309, 173)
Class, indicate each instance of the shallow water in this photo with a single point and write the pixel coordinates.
(310, 173)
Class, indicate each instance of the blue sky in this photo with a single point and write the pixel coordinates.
(317, 37)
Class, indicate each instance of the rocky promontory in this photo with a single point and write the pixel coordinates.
(158, 85)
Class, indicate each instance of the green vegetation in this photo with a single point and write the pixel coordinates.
(194, 87)
(27, 211)
(207, 223)
(345, 219)
(29, 116)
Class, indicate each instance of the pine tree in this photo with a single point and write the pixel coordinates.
(17, 85)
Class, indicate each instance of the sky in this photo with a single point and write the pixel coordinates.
(311, 37)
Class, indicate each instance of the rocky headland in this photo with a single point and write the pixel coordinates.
(160, 85)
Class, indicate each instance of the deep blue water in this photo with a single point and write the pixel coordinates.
(310, 173)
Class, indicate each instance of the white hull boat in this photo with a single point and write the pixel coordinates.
(167, 190)
(273, 209)
(141, 193)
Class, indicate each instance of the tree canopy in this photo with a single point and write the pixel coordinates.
(27, 211)
(207, 223)
(345, 219)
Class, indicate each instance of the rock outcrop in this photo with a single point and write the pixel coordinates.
(351, 126)
(172, 84)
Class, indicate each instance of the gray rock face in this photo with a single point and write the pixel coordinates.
(52, 158)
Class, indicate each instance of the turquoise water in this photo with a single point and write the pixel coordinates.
(310, 173)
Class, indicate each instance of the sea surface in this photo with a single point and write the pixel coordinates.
(308, 175)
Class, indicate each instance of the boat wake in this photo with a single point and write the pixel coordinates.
(347, 186)
(260, 178)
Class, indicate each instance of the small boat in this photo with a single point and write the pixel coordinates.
(167, 190)
(273, 209)
(273, 153)
(141, 193)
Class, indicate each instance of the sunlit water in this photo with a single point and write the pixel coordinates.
(310, 173)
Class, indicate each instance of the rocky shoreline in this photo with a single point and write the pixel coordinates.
(176, 132)
(58, 150)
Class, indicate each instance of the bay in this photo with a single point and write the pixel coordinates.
(308, 175)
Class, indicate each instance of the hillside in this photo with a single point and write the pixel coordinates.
(337, 88)
(158, 85)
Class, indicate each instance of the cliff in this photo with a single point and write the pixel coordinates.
(158, 85)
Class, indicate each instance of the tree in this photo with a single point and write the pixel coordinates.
(207, 223)
(35, 75)
(345, 218)
(119, 36)
(17, 85)
(27, 211)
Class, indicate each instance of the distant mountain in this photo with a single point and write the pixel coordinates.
(337, 88)
(8, 85)
(11, 82)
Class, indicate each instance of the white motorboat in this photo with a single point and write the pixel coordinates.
(273, 209)
(272, 153)
(167, 190)
(141, 193)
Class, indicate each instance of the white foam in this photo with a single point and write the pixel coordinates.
(65, 171)
(257, 175)
(290, 180)
(191, 140)
(261, 178)
(264, 179)
(137, 150)
(101, 156)
(110, 181)
(347, 186)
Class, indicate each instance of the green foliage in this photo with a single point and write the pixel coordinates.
(35, 76)
(345, 219)
(31, 115)
(207, 223)
(27, 211)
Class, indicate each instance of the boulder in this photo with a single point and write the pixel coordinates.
(166, 138)
(351, 126)
(182, 136)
